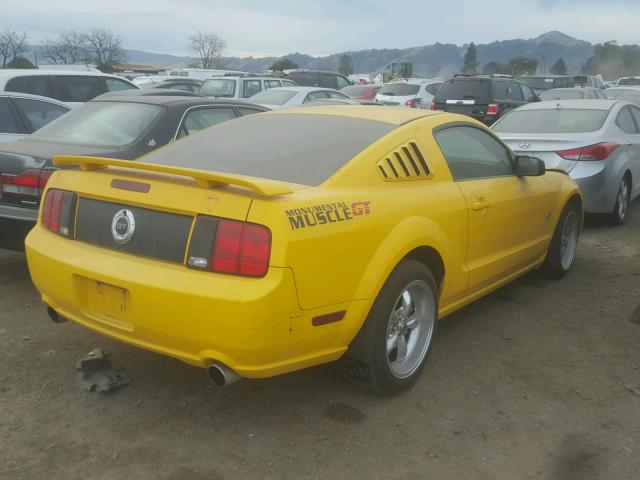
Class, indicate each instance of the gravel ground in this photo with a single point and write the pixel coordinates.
(539, 380)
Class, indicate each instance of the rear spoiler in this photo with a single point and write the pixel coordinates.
(205, 179)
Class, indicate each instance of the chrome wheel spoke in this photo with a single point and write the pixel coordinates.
(391, 342)
(413, 322)
(401, 346)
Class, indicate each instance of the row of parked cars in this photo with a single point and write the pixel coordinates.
(596, 141)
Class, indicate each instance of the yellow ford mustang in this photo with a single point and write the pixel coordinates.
(288, 239)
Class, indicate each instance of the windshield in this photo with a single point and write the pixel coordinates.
(464, 89)
(273, 97)
(560, 120)
(562, 95)
(101, 124)
(329, 143)
(629, 81)
(218, 88)
(399, 89)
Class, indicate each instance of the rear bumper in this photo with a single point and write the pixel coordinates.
(252, 325)
(599, 185)
(21, 214)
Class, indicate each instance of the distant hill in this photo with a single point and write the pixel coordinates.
(432, 60)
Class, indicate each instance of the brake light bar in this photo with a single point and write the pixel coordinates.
(598, 151)
(230, 246)
(59, 211)
(29, 183)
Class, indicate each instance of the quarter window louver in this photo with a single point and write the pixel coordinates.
(404, 163)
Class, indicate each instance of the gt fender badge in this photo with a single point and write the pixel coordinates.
(123, 226)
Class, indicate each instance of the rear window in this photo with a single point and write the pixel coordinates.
(273, 97)
(464, 89)
(399, 89)
(218, 88)
(629, 81)
(34, 84)
(561, 120)
(321, 145)
(562, 95)
(101, 124)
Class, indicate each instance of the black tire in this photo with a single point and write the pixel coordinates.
(366, 361)
(554, 266)
(619, 214)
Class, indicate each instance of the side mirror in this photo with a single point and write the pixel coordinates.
(529, 166)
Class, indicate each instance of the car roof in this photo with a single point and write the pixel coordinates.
(294, 88)
(392, 115)
(572, 89)
(244, 77)
(573, 104)
(164, 99)
(16, 72)
(4, 93)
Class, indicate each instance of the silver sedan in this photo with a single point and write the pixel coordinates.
(597, 142)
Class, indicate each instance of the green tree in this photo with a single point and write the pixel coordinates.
(283, 64)
(470, 64)
(345, 64)
(495, 67)
(523, 66)
(559, 67)
(20, 62)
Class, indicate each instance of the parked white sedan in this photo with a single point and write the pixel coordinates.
(22, 114)
(286, 97)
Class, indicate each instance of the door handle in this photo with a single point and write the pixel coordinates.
(480, 205)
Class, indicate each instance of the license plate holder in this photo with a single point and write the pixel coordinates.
(108, 303)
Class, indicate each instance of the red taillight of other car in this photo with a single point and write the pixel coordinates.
(410, 102)
(493, 109)
(29, 183)
(59, 211)
(230, 246)
(433, 106)
(599, 151)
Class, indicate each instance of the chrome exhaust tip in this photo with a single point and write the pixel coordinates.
(221, 375)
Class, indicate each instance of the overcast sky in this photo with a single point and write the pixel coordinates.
(278, 27)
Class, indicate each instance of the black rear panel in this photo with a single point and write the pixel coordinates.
(159, 235)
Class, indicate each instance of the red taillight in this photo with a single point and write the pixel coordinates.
(410, 102)
(29, 182)
(493, 109)
(58, 212)
(433, 106)
(599, 151)
(238, 248)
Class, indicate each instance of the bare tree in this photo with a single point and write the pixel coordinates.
(208, 47)
(104, 49)
(12, 44)
(69, 48)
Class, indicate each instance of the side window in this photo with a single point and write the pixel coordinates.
(8, 123)
(433, 88)
(529, 96)
(76, 88)
(514, 91)
(625, 121)
(114, 84)
(247, 111)
(288, 83)
(336, 95)
(472, 153)
(342, 82)
(201, 118)
(272, 83)
(328, 81)
(635, 112)
(316, 96)
(251, 87)
(500, 91)
(34, 84)
(39, 113)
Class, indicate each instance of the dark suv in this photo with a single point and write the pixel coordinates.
(318, 78)
(483, 97)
